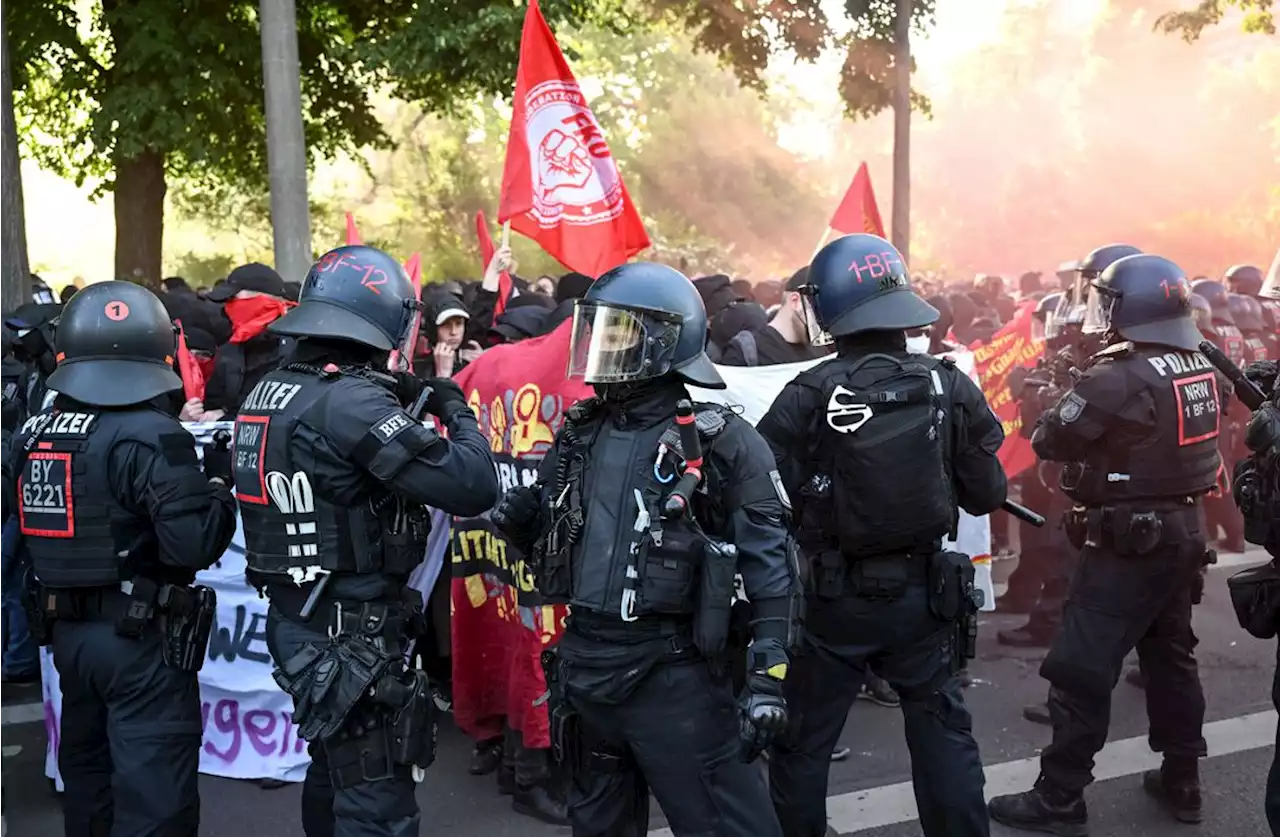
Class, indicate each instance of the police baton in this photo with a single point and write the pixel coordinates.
(1023, 513)
(1246, 390)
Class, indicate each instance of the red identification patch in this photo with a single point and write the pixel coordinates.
(248, 452)
(47, 509)
(1198, 416)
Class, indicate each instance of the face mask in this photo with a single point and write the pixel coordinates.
(918, 345)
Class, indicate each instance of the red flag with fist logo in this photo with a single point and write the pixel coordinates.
(560, 185)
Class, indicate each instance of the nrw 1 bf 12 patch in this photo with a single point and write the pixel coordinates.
(1198, 416)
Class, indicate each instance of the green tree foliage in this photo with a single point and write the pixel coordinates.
(745, 33)
(1191, 23)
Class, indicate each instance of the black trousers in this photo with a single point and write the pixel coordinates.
(385, 808)
(1273, 777)
(129, 747)
(912, 651)
(1118, 603)
(676, 735)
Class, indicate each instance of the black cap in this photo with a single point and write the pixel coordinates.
(249, 277)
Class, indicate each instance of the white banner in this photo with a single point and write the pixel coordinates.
(248, 726)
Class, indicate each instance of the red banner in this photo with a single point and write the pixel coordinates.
(1012, 346)
(353, 234)
(192, 376)
(858, 212)
(500, 623)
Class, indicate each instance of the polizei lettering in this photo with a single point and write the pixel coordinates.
(270, 396)
(67, 424)
(1179, 363)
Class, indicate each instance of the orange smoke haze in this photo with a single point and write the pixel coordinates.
(1057, 138)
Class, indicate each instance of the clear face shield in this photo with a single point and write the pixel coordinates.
(616, 345)
(401, 357)
(1097, 311)
(818, 336)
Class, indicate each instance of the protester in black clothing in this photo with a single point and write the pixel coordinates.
(525, 317)
(442, 351)
(737, 317)
(254, 298)
(571, 287)
(785, 339)
(183, 304)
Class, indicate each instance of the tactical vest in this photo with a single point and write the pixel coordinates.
(77, 533)
(1256, 348)
(623, 560)
(1180, 458)
(1231, 342)
(290, 529)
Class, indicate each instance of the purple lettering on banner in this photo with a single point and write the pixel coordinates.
(260, 725)
(226, 719)
(52, 726)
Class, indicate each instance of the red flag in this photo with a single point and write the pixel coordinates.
(189, 368)
(413, 267)
(486, 256)
(353, 234)
(858, 212)
(560, 184)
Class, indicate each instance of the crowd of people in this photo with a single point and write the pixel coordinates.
(254, 327)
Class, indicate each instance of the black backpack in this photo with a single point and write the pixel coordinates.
(881, 438)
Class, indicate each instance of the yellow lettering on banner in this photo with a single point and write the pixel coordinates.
(476, 594)
(528, 430)
(497, 426)
(548, 618)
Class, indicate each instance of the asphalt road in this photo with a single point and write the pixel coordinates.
(868, 795)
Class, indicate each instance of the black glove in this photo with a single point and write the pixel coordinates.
(516, 512)
(1263, 431)
(446, 398)
(408, 387)
(217, 457)
(1263, 373)
(763, 714)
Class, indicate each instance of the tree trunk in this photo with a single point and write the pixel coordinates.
(902, 129)
(139, 206)
(15, 283)
(286, 144)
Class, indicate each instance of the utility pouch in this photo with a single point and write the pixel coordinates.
(142, 594)
(669, 570)
(1134, 533)
(951, 586)
(1255, 595)
(551, 561)
(414, 726)
(40, 617)
(828, 573)
(1075, 523)
(186, 620)
(880, 579)
(715, 600)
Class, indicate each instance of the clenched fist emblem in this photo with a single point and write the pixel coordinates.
(563, 161)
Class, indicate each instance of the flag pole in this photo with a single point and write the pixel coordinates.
(506, 234)
(826, 233)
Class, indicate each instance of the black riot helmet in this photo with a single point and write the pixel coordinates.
(1215, 293)
(859, 283)
(1243, 279)
(1044, 325)
(115, 346)
(1202, 313)
(1246, 312)
(1146, 299)
(1071, 308)
(638, 322)
(358, 294)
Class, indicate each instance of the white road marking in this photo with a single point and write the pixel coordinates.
(849, 813)
(22, 713)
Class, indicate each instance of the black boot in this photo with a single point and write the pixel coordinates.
(1177, 787)
(538, 802)
(1044, 809)
(486, 757)
(1037, 713)
(1031, 635)
(506, 780)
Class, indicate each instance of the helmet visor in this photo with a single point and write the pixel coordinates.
(818, 335)
(1097, 311)
(401, 357)
(614, 345)
(1271, 285)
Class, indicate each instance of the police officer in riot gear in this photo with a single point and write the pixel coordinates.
(333, 475)
(877, 448)
(117, 518)
(646, 508)
(1247, 280)
(1139, 433)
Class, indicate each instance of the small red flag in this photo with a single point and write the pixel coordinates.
(486, 255)
(560, 184)
(353, 234)
(192, 377)
(858, 212)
